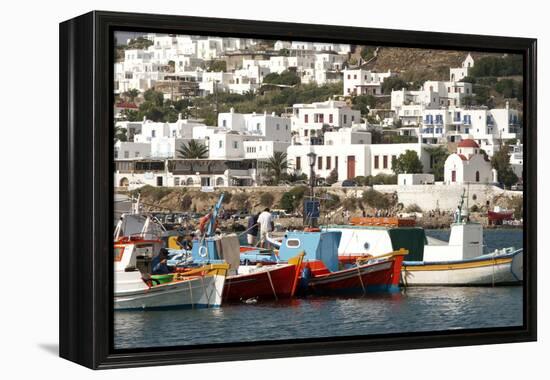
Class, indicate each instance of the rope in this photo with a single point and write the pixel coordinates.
(361, 280)
(271, 283)
(248, 229)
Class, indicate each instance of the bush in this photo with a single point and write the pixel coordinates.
(186, 202)
(360, 180)
(227, 198)
(292, 198)
(376, 199)
(266, 199)
(349, 203)
(240, 199)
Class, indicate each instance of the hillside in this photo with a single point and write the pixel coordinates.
(419, 64)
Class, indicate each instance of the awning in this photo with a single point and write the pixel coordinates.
(241, 177)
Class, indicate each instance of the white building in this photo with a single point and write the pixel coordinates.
(261, 149)
(309, 121)
(127, 150)
(363, 82)
(468, 165)
(269, 126)
(459, 73)
(352, 160)
(405, 179)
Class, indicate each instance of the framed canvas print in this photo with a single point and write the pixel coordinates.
(237, 190)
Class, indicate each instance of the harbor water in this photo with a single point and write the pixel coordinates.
(410, 310)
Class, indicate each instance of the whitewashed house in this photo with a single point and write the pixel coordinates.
(352, 160)
(363, 82)
(468, 165)
(128, 149)
(310, 121)
(459, 73)
(269, 126)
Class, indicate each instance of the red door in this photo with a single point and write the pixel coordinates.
(453, 176)
(351, 167)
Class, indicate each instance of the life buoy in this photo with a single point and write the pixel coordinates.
(203, 251)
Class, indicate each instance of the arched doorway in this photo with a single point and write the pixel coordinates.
(220, 181)
(124, 182)
(189, 181)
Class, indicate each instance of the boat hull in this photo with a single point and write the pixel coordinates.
(381, 276)
(190, 292)
(277, 281)
(504, 270)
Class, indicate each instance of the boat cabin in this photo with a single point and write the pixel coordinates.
(321, 246)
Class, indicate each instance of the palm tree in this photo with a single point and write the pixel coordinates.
(194, 149)
(276, 165)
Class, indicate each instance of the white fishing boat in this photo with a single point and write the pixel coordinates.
(135, 288)
(459, 262)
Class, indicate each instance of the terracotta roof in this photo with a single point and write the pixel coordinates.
(468, 143)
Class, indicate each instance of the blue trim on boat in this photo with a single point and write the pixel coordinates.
(488, 257)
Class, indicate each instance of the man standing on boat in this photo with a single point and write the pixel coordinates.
(265, 221)
(252, 229)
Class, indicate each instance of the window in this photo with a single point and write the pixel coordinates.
(235, 144)
(224, 123)
(293, 243)
(385, 162)
(305, 132)
(328, 163)
(352, 118)
(298, 163)
(306, 118)
(319, 162)
(349, 77)
(330, 120)
(336, 162)
(126, 154)
(477, 176)
(220, 144)
(376, 163)
(354, 76)
(153, 133)
(257, 126)
(176, 181)
(345, 119)
(136, 154)
(278, 127)
(116, 154)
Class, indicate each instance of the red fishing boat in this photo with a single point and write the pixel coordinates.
(263, 282)
(322, 273)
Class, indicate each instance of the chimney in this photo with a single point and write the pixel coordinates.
(232, 110)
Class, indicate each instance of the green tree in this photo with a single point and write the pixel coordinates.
(438, 155)
(194, 149)
(154, 97)
(501, 163)
(284, 52)
(216, 65)
(363, 103)
(131, 94)
(140, 43)
(376, 199)
(332, 177)
(407, 162)
(277, 165)
(394, 83)
(120, 134)
(292, 199)
(287, 77)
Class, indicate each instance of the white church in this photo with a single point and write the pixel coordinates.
(468, 165)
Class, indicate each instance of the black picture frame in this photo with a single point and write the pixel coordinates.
(86, 183)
